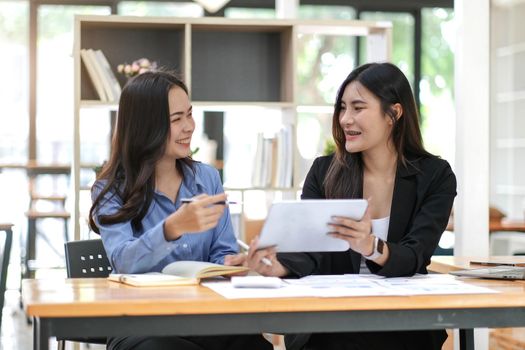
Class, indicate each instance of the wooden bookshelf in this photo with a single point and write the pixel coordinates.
(507, 124)
(226, 63)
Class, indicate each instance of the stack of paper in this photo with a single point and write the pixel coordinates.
(351, 286)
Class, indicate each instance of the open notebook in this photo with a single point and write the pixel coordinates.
(178, 273)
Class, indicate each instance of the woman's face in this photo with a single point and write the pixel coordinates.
(365, 125)
(182, 124)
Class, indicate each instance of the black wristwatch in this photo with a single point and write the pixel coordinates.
(379, 245)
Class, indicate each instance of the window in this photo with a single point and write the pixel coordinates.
(326, 12)
(238, 12)
(402, 39)
(155, 8)
(14, 120)
(55, 79)
(13, 85)
(437, 82)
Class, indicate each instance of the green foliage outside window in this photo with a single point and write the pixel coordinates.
(402, 40)
(437, 82)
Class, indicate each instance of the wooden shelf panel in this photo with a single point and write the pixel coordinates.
(125, 44)
(276, 189)
(224, 105)
(249, 63)
(220, 105)
(110, 106)
(511, 190)
(510, 50)
(228, 64)
(512, 96)
(510, 143)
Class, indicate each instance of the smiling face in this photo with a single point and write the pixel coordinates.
(182, 124)
(366, 127)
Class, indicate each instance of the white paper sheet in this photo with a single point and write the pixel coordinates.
(353, 285)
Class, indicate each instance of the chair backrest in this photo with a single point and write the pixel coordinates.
(5, 253)
(86, 258)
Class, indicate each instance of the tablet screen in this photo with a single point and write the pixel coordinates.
(301, 225)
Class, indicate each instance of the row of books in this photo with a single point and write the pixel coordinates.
(103, 79)
(274, 160)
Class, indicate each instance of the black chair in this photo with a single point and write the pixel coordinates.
(5, 253)
(86, 259)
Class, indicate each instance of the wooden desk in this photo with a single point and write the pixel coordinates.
(505, 338)
(97, 307)
(507, 226)
(495, 226)
(34, 168)
(5, 227)
(446, 263)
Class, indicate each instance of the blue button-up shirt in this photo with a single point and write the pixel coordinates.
(138, 251)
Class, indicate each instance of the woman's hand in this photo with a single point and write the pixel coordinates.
(254, 261)
(202, 214)
(357, 233)
(236, 260)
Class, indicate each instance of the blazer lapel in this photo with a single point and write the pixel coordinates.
(403, 200)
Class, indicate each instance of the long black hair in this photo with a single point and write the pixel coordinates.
(139, 141)
(344, 178)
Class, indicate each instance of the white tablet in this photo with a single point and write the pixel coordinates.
(301, 225)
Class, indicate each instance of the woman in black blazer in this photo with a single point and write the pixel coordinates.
(379, 156)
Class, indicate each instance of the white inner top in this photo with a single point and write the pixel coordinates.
(380, 230)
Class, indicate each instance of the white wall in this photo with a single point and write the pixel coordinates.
(472, 86)
(472, 127)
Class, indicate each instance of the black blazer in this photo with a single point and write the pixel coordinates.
(424, 192)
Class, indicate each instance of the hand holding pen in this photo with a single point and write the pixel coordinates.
(255, 260)
(198, 215)
(245, 246)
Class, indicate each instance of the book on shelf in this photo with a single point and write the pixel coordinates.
(111, 83)
(258, 161)
(178, 273)
(273, 163)
(90, 64)
(283, 159)
(266, 173)
(101, 75)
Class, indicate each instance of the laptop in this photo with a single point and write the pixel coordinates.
(495, 272)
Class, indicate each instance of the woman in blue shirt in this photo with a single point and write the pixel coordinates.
(136, 200)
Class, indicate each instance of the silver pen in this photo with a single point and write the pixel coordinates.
(245, 246)
(189, 200)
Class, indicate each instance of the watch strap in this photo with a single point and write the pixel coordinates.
(376, 253)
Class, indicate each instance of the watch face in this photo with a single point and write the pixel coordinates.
(380, 245)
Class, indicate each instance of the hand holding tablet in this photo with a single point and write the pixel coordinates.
(301, 226)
